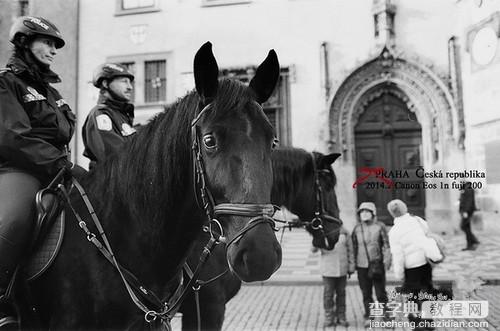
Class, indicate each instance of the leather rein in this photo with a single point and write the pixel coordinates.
(145, 300)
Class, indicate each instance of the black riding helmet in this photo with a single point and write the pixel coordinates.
(109, 71)
(31, 27)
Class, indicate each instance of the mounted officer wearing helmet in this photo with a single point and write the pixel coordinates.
(110, 71)
(110, 122)
(37, 125)
(29, 27)
(27, 33)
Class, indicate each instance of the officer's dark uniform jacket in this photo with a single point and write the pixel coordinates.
(108, 125)
(36, 124)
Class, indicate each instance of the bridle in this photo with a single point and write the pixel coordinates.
(317, 222)
(258, 213)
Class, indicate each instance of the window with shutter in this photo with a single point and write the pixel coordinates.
(277, 107)
(155, 81)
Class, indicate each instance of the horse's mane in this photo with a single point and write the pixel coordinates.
(150, 175)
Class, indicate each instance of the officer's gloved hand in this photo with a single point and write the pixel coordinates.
(74, 170)
(78, 172)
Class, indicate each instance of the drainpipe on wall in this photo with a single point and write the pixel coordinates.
(326, 69)
(455, 69)
(327, 85)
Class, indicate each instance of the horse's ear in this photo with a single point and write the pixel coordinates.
(206, 73)
(328, 159)
(265, 79)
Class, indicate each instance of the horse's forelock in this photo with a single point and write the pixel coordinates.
(232, 95)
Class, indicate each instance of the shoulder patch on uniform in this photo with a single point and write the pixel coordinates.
(61, 102)
(127, 130)
(104, 122)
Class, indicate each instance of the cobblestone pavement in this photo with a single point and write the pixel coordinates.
(292, 298)
(299, 308)
(300, 265)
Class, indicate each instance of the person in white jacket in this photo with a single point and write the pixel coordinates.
(411, 249)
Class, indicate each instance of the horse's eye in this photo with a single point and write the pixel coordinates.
(275, 143)
(209, 141)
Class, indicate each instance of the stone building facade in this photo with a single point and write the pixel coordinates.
(407, 86)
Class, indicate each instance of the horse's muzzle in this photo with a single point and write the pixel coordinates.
(256, 255)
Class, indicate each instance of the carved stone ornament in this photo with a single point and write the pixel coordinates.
(420, 88)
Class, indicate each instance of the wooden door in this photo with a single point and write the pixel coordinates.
(388, 135)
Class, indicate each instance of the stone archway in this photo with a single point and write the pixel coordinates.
(423, 91)
(425, 95)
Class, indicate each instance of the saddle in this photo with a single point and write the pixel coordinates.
(49, 230)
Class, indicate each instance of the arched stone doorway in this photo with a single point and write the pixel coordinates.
(427, 97)
(387, 135)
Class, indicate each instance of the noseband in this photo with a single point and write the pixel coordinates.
(258, 213)
(319, 215)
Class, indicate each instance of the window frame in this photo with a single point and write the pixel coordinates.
(139, 61)
(213, 3)
(138, 10)
(147, 81)
(281, 110)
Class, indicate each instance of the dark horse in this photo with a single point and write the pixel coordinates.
(294, 172)
(145, 197)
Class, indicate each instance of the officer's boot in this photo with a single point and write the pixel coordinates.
(8, 315)
(9, 255)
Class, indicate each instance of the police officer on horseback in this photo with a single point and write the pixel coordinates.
(110, 122)
(36, 125)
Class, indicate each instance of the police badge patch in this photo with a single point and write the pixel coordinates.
(127, 130)
(33, 95)
(104, 122)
